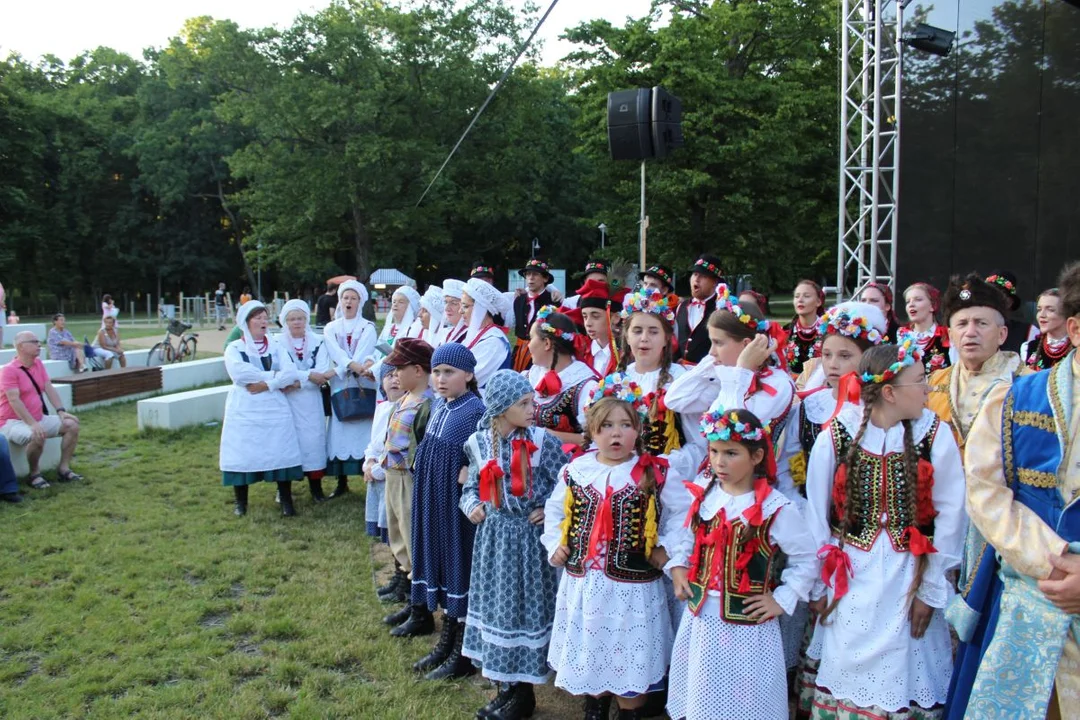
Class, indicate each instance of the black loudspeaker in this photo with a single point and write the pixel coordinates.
(666, 114)
(629, 129)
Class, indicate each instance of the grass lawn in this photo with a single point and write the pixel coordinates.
(139, 593)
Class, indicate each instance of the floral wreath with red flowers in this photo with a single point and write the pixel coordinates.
(649, 300)
(725, 301)
(724, 425)
(620, 387)
(541, 320)
(1002, 283)
(909, 352)
(838, 321)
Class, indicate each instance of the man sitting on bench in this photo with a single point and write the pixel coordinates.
(24, 419)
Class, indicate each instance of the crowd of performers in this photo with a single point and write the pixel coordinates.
(683, 507)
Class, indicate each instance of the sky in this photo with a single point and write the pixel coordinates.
(67, 27)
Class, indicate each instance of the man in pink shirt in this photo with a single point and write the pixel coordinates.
(24, 418)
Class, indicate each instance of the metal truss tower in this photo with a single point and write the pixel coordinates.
(869, 143)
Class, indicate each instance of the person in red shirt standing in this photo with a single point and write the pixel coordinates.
(24, 419)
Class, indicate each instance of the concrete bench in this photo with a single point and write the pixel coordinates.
(111, 384)
(193, 407)
(41, 332)
(57, 368)
(193, 373)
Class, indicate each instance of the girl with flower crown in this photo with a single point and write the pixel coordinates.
(741, 369)
(885, 492)
(744, 558)
(513, 466)
(562, 382)
(612, 632)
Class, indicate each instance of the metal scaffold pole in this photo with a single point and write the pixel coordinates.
(870, 85)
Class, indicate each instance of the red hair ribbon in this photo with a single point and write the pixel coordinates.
(573, 449)
(918, 543)
(848, 391)
(550, 384)
(601, 530)
(743, 562)
(699, 494)
(757, 386)
(490, 475)
(657, 463)
(755, 514)
(661, 406)
(836, 565)
(770, 460)
(523, 449)
(718, 539)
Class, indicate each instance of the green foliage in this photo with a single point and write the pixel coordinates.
(304, 151)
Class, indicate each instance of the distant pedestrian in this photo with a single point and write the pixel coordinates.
(325, 305)
(245, 296)
(108, 308)
(222, 310)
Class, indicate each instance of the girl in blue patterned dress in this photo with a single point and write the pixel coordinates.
(513, 467)
(442, 538)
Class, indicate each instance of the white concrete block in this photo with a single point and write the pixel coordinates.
(136, 358)
(194, 407)
(50, 458)
(66, 395)
(57, 368)
(193, 373)
(40, 330)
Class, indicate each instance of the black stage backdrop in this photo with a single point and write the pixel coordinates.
(990, 146)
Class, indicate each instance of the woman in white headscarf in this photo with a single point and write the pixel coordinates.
(480, 303)
(258, 439)
(404, 307)
(350, 340)
(313, 368)
(428, 325)
(454, 325)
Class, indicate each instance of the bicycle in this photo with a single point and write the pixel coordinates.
(163, 353)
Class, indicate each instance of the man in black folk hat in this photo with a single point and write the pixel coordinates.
(975, 313)
(691, 318)
(659, 277)
(595, 269)
(537, 276)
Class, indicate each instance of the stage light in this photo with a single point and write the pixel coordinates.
(931, 39)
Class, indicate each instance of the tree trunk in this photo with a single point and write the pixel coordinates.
(234, 224)
(361, 246)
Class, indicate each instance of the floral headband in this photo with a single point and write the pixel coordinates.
(541, 319)
(620, 387)
(725, 426)
(908, 353)
(838, 321)
(649, 300)
(725, 301)
(1002, 283)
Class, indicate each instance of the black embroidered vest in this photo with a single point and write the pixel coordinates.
(625, 560)
(885, 492)
(560, 413)
(521, 312)
(692, 346)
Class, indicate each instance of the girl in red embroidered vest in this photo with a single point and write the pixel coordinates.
(1046, 349)
(612, 632)
(809, 300)
(741, 370)
(728, 659)
(923, 303)
(885, 495)
(562, 382)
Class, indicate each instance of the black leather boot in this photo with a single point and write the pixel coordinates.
(455, 665)
(241, 493)
(521, 704)
(420, 622)
(634, 714)
(435, 658)
(656, 704)
(397, 617)
(597, 708)
(390, 586)
(342, 486)
(285, 493)
(506, 691)
(316, 490)
(400, 592)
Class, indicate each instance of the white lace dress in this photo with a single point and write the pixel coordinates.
(868, 656)
(727, 671)
(608, 636)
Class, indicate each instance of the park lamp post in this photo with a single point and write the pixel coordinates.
(603, 234)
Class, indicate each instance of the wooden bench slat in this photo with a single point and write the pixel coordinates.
(110, 384)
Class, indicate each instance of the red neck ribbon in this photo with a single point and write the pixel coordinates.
(601, 531)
